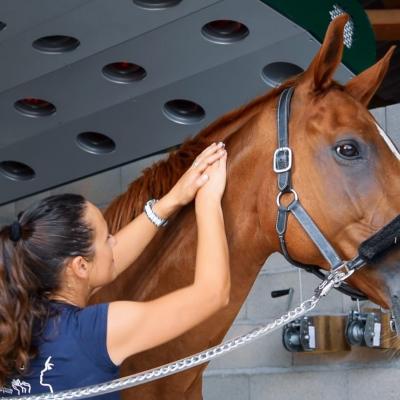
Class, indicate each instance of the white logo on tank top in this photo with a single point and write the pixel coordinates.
(48, 366)
(20, 387)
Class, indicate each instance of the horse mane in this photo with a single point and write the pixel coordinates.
(157, 179)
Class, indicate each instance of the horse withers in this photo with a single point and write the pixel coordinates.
(345, 171)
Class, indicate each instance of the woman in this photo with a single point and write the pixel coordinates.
(60, 252)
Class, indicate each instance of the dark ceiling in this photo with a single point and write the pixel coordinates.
(90, 85)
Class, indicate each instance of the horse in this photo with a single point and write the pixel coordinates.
(346, 173)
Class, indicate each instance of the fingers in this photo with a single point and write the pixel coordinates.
(208, 157)
(210, 160)
(221, 161)
(209, 150)
(202, 180)
(212, 148)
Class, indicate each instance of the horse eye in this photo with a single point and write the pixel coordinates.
(347, 150)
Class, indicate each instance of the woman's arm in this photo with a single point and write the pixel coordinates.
(133, 238)
(136, 326)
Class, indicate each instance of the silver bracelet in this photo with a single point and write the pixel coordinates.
(152, 216)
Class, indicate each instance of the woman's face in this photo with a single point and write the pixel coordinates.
(102, 266)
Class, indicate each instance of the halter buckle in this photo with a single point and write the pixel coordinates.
(282, 160)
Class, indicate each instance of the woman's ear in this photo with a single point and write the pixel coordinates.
(80, 267)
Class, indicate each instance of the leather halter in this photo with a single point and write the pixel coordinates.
(282, 165)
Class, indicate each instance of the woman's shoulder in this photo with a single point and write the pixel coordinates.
(90, 317)
(81, 329)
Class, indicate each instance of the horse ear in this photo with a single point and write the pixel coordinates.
(363, 86)
(321, 70)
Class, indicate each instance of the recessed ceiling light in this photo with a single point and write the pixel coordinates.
(183, 111)
(124, 72)
(16, 171)
(56, 44)
(32, 107)
(156, 4)
(276, 73)
(95, 143)
(224, 31)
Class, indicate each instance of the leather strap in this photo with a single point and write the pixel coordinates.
(282, 159)
(282, 164)
(315, 234)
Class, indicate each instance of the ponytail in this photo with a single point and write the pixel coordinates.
(33, 253)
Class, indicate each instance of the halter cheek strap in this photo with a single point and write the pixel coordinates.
(282, 165)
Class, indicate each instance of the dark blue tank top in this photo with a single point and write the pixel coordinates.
(72, 354)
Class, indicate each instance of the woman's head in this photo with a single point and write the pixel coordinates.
(64, 245)
(97, 270)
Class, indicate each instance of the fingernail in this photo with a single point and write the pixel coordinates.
(205, 177)
(221, 144)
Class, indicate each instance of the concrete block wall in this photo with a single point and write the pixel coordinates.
(264, 369)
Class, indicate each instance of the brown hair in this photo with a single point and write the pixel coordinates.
(52, 231)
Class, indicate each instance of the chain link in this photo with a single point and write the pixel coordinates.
(334, 279)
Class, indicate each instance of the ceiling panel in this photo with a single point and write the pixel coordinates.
(180, 63)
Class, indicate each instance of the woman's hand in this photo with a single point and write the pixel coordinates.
(214, 189)
(197, 175)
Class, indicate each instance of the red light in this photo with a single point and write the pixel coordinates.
(123, 65)
(35, 102)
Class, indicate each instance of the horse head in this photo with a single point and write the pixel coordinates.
(345, 169)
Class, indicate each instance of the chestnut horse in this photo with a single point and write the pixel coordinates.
(346, 172)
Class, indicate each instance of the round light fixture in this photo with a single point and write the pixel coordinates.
(225, 31)
(95, 143)
(183, 111)
(16, 171)
(124, 72)
(156, 4)
(276, 73)
(32, 107)
(56, 44)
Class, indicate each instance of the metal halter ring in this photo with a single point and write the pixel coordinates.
(278, 198)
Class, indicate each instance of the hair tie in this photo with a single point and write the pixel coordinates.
(15, 231)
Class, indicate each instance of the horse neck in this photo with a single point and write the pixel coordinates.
(248, 203)
(249, 199)
(249, 216)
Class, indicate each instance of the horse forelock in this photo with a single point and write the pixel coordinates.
(157, 179)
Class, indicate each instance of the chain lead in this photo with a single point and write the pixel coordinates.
(334, 279)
